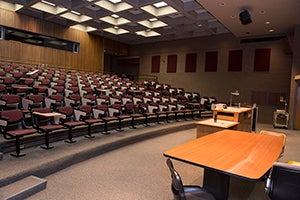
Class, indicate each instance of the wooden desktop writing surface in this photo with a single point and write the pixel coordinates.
(235, 153)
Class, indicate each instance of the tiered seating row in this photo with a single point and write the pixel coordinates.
(36, 99)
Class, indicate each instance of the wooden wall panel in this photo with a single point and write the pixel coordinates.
(90, 57)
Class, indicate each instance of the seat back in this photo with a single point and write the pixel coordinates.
(284, 182)
(13, 101)
(68, 111)
(276, 134)
(176, 186)
(14, 119)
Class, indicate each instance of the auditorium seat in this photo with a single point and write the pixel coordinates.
(13, 127)
(101, 111)
(143, 109)
(131, 110)
(70, 121)
(33, 101)
(88, 117)
(116, 111)
(10, 102)
(45, 124)
(73, 100)
(53, 101)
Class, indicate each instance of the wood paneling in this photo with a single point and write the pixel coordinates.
(89, 58)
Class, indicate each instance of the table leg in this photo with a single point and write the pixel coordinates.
(216, 183)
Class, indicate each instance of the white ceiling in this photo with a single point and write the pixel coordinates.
(179, 19)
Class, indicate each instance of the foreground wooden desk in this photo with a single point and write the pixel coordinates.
(229, 153)
(208, 126)
(243, 115)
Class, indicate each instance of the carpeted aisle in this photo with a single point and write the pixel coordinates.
(138, 172)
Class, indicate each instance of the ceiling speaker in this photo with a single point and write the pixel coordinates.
(245, 17)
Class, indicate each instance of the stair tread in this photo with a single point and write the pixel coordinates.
(22, 187)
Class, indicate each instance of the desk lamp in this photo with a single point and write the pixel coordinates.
(235, 93)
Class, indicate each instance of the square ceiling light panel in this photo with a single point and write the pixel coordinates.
(10, 6)
(159, 9)
(74, 16)
(147, 33)
(114, 20)
(113, 7)
(48, 7)
(116, 30)
(83, 28)
(153, 23)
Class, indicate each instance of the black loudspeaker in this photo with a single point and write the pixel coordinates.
(75, 47)
(245, 17)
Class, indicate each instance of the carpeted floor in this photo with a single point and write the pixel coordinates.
(138, 172)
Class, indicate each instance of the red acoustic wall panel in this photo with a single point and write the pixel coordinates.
(235, 60)
(172, 64)
(155, 67)
(262, 60)
(190, 62)
(211, 61)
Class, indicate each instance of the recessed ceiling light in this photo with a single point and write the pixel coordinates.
(268, 23)
(115, 16)
(49, 3)
(222, 4)
(271, 30)
(233, 16)
(115, 1)
(153, 19)
(160, 4)
(116, 27)
(75, 12)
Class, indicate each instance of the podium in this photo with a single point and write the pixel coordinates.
(242, 115)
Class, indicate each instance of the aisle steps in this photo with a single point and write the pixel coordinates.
(23, 188)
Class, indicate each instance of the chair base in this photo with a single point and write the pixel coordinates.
(89, 136)
(70, 141)
(17, 154)
(106, 133)
(46, 147)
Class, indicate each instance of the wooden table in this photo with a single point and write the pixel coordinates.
(208, 126)
(243, 115)
(229, 153)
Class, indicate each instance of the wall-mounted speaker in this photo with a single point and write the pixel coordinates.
(245, 17)
(75, 47)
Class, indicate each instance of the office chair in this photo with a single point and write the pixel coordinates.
(277, 134)
(283, 182)
(186, 192)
